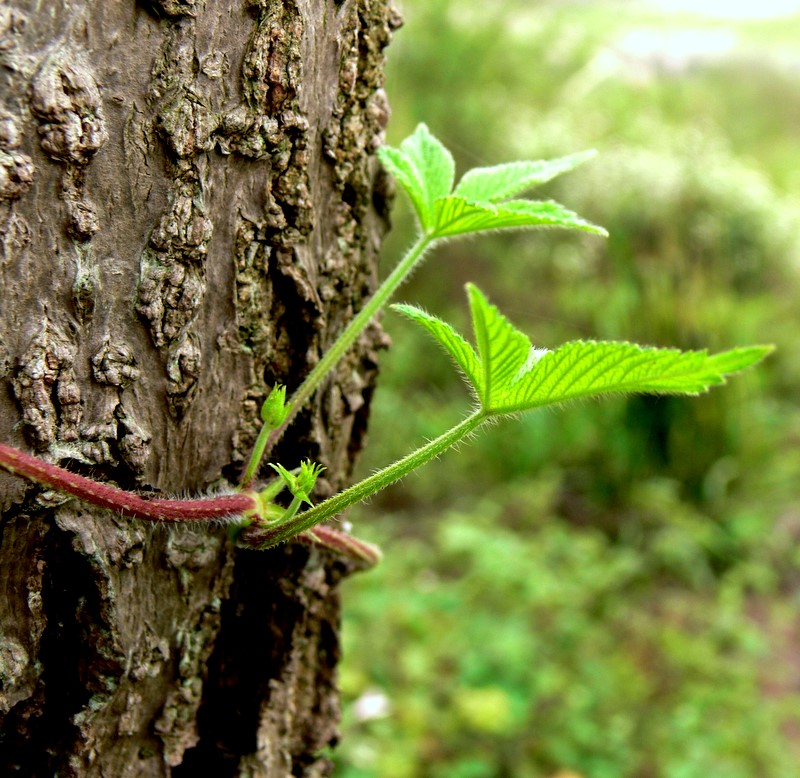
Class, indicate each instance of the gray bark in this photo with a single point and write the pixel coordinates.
(190, 210)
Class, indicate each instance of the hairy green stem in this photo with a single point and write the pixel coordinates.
(267, 438)
(264, 537)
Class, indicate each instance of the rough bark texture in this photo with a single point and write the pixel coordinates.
(189, 213)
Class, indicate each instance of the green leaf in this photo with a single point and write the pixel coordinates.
(493, 184)
(424, 168)
(444, 334)
(432, 159)
(457, 216)
(407, 175)
(739, 358)
(510, 376)
(502, 349)
(301, 481)
(307, 478)
(590, 368)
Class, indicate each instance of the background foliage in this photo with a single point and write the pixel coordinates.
(610, 590)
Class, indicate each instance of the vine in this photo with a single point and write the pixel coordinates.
(505, 373)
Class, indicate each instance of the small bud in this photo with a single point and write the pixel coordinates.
(289, 478)
(302, 484)
(274, 409)
(309, 472)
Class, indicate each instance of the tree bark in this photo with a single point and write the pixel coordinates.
(190, 210)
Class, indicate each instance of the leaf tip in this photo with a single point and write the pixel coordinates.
(737, 359)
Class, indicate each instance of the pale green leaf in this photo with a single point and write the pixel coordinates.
(509, 376)
(444, 334)
(502, 349)
(738, 358)
(455, 216)
(409, 177)
(589, 368)
(432, 159)
(424, 168)
(493, 184)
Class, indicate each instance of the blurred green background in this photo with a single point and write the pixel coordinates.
(612, 589)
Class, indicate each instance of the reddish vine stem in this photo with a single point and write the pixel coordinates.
(127, 503)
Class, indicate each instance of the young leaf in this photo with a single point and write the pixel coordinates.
(591, 368)
(301, 481)
(424, 168)
(444, 334)
(493, 184)
(738, 358)
(502, 349)
(456, 216)
(432, 159)
(411, 180)
(509, 376)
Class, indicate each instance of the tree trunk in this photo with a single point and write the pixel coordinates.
(190, 211)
